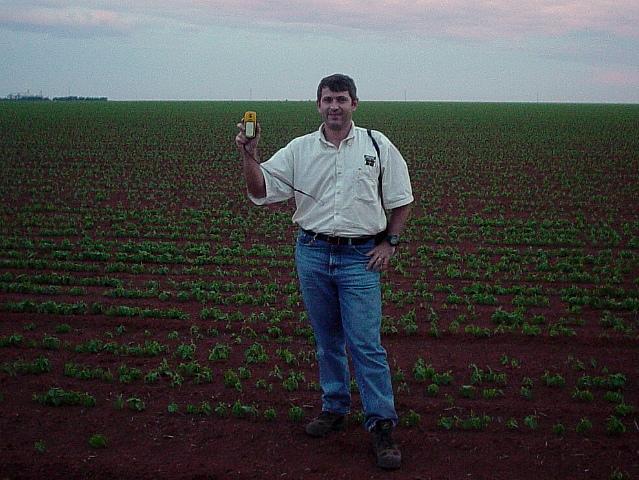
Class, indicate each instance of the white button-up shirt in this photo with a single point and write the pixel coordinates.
(341, 184)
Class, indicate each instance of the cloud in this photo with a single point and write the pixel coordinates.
(67, 20)
(475, 19)
(617, 78)
(453, 19)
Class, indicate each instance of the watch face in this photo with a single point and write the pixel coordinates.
(393, 240)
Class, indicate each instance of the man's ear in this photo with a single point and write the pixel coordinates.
(354, 103)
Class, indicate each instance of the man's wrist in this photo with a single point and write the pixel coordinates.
(392, 239)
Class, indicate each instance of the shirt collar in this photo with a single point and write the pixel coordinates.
(350, 136)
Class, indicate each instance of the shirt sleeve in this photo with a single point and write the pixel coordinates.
(396, 186)
(278, 177)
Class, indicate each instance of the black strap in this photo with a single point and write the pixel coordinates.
(379, 159)
(370, 134)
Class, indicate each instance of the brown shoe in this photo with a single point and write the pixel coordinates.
(326, 423)
(388, 455)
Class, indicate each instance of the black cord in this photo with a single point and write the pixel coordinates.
(278, 177)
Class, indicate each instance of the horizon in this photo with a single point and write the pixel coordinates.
(98, 99)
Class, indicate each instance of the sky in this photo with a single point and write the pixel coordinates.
(420, 50)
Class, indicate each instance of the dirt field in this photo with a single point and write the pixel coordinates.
(151, 325)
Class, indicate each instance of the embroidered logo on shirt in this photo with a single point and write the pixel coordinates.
(370, 160)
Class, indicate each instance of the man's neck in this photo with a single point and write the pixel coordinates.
(336, 136)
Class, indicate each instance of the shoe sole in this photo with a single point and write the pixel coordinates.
(389, 461)
(390, 465)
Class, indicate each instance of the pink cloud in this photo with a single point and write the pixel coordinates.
(68, 20)
(452, 18)
(463, 19)
(617, 78)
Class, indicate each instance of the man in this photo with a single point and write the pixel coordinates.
(343, 178)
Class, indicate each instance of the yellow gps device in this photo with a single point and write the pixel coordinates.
(250, 124)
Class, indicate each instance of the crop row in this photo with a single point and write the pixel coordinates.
(481, 384)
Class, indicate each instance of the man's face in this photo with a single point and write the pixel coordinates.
(336, 108)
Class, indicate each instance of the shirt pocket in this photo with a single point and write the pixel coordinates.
(366, 184)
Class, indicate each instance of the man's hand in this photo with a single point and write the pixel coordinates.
(250, 159)
(247, 145)
(380, 257)
(382, 253)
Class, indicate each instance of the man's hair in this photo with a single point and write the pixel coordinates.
(337, 83)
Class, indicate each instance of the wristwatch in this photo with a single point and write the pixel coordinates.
(393, 240)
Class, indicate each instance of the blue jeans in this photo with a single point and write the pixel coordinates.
(344, 305)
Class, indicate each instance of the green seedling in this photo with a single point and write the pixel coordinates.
(614, 426)
(467, 391)
(531, 421)
(296, 413)
(583, 426)
(222, 409)
(623, 409)
(136, 404)
(432, 390)
(232, 380)
(512, 424)
(270, 414)
(410, 419)
(97, 441)
(219, 352)
(582, 395)
(559, 429)
(422, 371)
(240, 410)
(57, 397)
